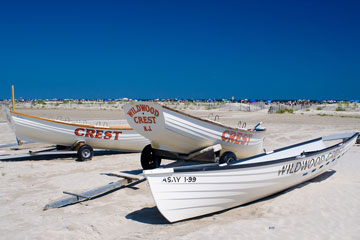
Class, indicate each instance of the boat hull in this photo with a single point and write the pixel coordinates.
(31, 128)
(187, 192)
(174, 131)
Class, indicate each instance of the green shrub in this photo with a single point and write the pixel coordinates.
(42, 102)
(281, 111)
(284, 110)
(351, 116)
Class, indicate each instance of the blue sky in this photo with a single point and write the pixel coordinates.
(180, 49)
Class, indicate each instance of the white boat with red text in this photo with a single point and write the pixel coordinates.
(190, 191)
(80, 137)
(176, 135)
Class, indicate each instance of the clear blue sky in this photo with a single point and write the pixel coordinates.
(181, 49)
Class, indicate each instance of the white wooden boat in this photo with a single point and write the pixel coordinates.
(176, 135)
(191, 191)
(81, 137)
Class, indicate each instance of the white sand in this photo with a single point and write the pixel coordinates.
(325, 208)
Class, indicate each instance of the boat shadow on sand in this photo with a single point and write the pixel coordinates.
(154, 217)
(148, 216)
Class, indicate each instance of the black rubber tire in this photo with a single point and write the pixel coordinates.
(148, 159)
(85, 152)
(227, 157)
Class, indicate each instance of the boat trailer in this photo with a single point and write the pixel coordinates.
(126, 180)
(37, 155)
(151, 158)
(51, 153)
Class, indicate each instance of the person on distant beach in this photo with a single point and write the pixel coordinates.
(271, 110)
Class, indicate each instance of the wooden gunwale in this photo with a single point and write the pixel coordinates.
(74, 124)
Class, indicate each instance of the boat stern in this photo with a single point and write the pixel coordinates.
(146, 118)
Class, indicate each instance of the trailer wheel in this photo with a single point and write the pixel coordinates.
(85, 152)
(148, 159)
(227, 157)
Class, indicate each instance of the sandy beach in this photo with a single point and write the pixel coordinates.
(325, 208)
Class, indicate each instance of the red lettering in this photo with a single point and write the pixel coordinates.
(232, 136)
(117, 135)
(130, 113)
(77, 132)
(90, 133)
(150, 119)
(223, 137)
(238, 137)
(145, 120)
(99, 134)
(244, 139)
(147, 129)
(107, 134)
(143, 107)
